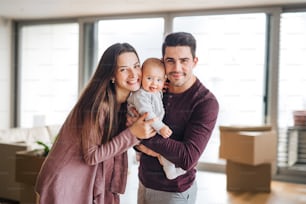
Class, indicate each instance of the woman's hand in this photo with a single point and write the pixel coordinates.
(142, 129)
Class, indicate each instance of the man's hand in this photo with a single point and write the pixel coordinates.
(146, 150)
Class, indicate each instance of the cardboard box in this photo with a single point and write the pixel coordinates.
(250, 178)
(9, 188)
(28, 165)
(238, 128)
(248, 147)
(27, 195)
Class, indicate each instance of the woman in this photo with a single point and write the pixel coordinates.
(88, 162)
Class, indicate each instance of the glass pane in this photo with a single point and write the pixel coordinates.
(145, 34)
(48, 73)
(292, 75)
(231, 51)
(292, 80)
(5, 73)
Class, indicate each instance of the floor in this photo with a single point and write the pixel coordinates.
(212, 190)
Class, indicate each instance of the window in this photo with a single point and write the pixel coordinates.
(231, 51)
(48, 73)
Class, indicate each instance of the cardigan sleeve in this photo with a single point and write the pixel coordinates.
(94, 152)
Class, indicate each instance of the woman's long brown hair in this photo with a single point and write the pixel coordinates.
(99, 97)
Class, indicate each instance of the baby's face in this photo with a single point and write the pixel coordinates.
(153, 78)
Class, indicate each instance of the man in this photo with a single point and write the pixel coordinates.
(191, 112)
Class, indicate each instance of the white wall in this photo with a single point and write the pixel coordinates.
(5, 72)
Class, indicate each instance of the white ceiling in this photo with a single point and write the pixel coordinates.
(42, 9)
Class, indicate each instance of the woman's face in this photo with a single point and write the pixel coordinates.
(128, 74)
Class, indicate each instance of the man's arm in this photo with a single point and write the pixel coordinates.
(187, 152)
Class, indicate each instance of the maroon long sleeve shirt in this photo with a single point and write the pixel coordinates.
(192, 116)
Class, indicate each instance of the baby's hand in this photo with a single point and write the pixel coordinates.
(160, 160)
(165, 131)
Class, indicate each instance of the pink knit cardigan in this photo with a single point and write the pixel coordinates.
(82, 171)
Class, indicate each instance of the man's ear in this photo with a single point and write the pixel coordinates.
(195, 61)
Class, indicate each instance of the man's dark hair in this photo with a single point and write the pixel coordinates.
(180, 39)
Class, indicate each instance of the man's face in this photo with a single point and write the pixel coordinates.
(179, 65)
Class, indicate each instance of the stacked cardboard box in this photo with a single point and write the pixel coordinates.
(28, 164)
(249, 152)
